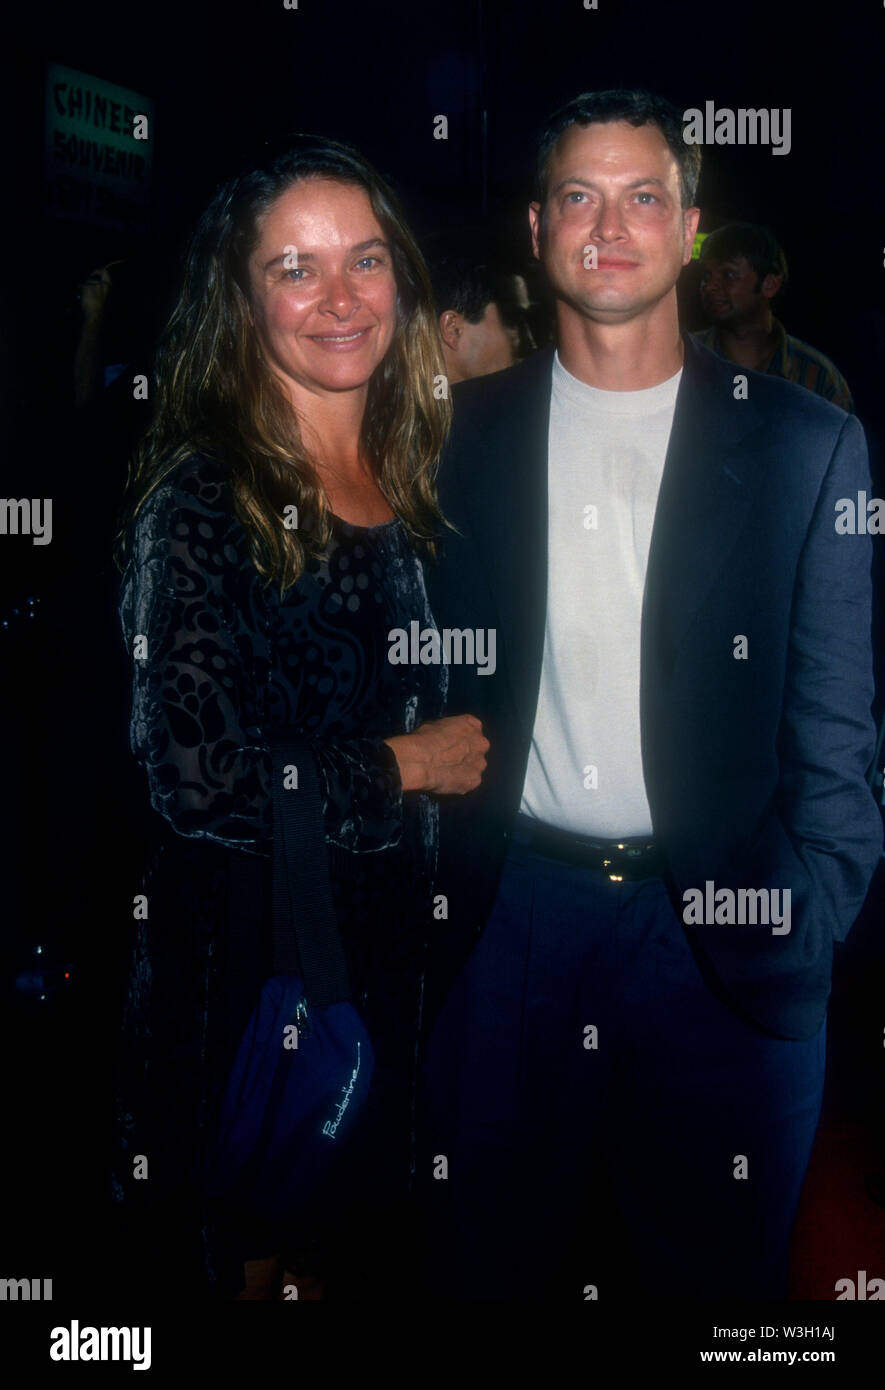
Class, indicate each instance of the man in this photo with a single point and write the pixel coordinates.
(680, 706)
(743, 269)
(478, 334)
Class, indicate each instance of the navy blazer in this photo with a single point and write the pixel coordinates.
(755, 769)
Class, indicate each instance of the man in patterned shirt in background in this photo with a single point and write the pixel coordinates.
(743, 268)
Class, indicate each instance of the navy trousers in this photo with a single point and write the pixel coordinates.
(597, 1122)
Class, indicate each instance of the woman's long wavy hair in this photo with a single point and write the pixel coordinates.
(216, 395)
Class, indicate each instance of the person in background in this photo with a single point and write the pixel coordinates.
(743, 269)
(477, 321)
(522, 312)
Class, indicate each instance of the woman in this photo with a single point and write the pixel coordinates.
(278, 508)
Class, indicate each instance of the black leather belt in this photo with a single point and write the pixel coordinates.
(626, 860)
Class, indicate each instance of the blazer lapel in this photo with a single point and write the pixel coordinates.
(707, 488)
(512, 529)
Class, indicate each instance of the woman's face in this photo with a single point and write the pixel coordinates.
(323, 293)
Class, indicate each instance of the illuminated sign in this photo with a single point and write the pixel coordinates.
(700, 238)
(98, 149)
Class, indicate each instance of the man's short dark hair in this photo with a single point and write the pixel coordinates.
(759, 246)
(638, 108)
(466, 286)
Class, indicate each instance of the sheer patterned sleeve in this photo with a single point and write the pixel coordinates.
(194, 624)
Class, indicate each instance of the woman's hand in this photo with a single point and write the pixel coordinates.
(446, 756)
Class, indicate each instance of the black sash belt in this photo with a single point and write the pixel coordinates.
(305, 931)
(625, 860)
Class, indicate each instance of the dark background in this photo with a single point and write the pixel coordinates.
(224, 78)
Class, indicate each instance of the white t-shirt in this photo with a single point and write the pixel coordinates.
(606, 459)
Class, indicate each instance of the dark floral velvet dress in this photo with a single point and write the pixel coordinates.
(220, 664)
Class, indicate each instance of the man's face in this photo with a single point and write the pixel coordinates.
(614, 187)
(475, 349)
(730, 293)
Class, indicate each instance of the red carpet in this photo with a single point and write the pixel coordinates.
(840, 1229)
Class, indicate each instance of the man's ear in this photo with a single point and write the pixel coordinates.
(450, 328)
(771, 285)
(691, 218)
(535, 226)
